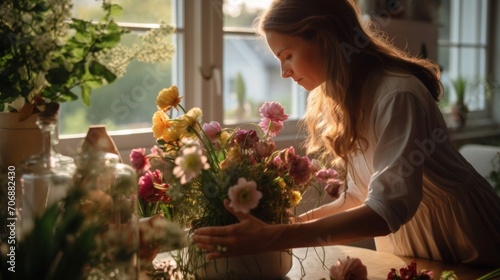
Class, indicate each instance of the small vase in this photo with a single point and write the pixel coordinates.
(110, 200)
(46, 176)
(267, 265)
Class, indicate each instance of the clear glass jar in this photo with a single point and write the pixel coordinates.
(45, 177)
(110, 201)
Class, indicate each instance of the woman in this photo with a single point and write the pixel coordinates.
(372, 109)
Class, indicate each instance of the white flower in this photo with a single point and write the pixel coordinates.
(244, 196)
(190, 163)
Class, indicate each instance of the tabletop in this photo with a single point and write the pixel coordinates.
(317, 261)
(314, 263)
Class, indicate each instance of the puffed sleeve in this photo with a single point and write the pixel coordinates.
(395, 187)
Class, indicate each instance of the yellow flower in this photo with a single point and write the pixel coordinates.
(281, 182)
(189, 120)
(224, 139)
(233, 157)
(295, 198)
(167, 98)
(161, 123)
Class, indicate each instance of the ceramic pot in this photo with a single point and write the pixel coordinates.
(19, 139)
(268, 265)
(458, 115)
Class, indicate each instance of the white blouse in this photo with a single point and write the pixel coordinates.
(436, 205)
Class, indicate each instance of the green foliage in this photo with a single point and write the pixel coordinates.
(59, 244)
(460, 86)
(61, 54)
(46, 55)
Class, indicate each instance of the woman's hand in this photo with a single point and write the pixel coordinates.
(249, 236)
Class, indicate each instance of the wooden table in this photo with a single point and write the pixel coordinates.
(314, 263)
(377, 263)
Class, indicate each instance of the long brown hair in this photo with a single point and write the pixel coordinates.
(353, 53)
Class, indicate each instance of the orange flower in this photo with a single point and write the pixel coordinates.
(167, 98)
(172, 134)
(161, 123)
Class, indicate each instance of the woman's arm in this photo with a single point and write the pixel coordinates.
(251, 235)
(344, 202)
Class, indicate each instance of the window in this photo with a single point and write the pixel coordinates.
(462, 51)
(128, 102)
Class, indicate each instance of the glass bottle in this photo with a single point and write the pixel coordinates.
(45, 177)
(110, 202)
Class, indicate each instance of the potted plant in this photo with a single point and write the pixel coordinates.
(48, 56)
(459, 109)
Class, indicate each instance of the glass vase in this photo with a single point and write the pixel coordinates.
(46, 176)
(110, 203)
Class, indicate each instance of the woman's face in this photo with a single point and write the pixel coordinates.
(299, 59)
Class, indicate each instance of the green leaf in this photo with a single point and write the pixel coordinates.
(66, 95)
(79, 25)
(108, 41)
(115, 10)
(84, 38)
(99, 70)
(86, 94)
(77, 54)
(58, 75)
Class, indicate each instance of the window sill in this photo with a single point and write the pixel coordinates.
(473, 130)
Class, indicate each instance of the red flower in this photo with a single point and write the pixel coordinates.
(246, 139)
(152, 188)
(410, 273)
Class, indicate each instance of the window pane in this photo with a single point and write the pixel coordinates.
(150, 11)
(444, 21)
(128, 103)
(251, 77)
(125, 104)
(251, 72)
(242, 13)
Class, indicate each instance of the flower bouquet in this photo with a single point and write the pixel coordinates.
(194, 168)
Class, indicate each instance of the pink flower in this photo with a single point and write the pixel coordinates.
(328, 178)
(190, 163)
(139, 160)
(332, 187)
(273, 111)
(152, 188)
(348, 269)
(212, 130)
(244, 196)
(300, 170)
(246, 139)
(264, 148)
(326, 174)
(272, 128)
